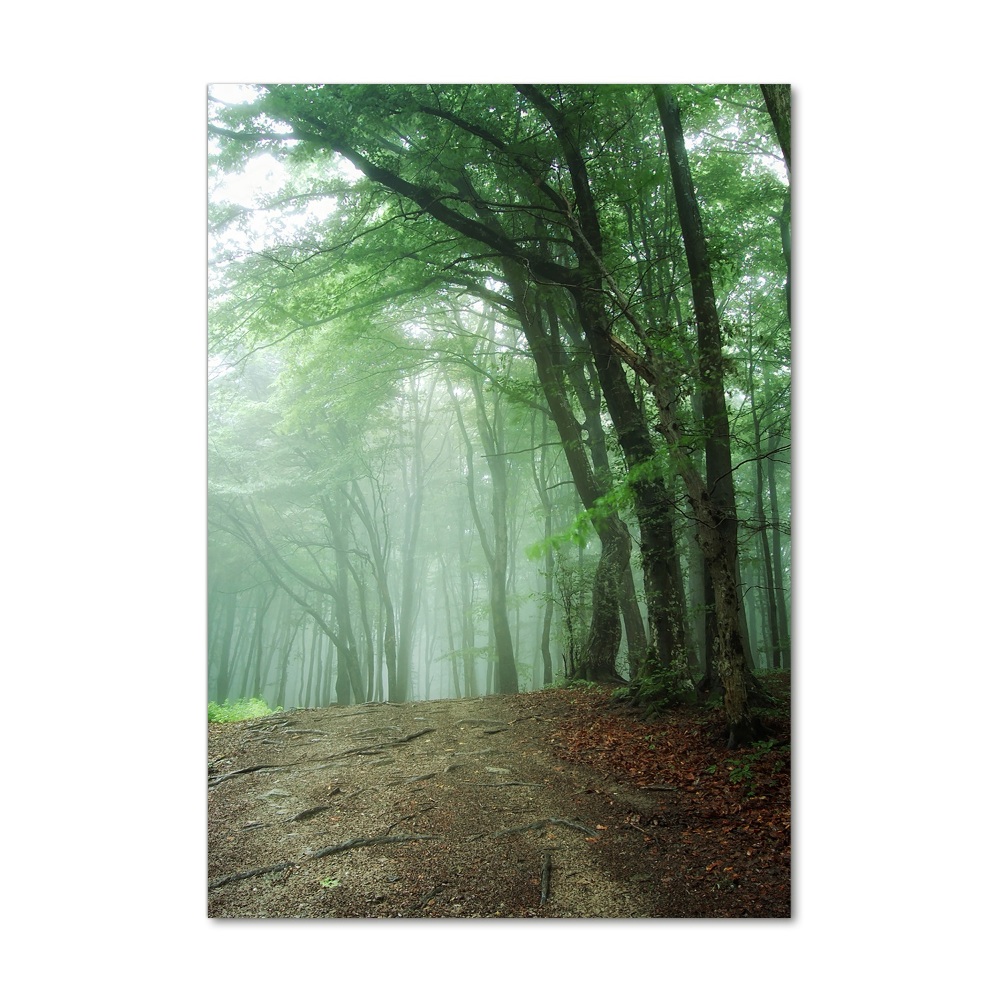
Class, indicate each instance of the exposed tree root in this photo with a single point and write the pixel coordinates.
(410, 781)
(426, 898)
(546, 874)
(539, 825)
(219, 882)
(504, 784)
(349, 845)
(308, 814)
(354, 751)
(377, 746)
(217, 779)
(372, 732)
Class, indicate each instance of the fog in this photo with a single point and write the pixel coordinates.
(459, 440)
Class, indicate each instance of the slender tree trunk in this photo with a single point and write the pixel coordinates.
(315, 670)
(286, 653)
(774, 641)
(549, 571)
(222, 670)
(413, 485)
(495, 548)
(469, 634)
(784, 637)
(453, 651)
(379, 563)
(328, 654)
(750, 603)
(257, 654)
(379, 655)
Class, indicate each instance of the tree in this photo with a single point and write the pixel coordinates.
(541, 206)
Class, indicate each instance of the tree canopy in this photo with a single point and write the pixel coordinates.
(500, 390)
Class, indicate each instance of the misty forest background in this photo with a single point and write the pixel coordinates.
(499, 391)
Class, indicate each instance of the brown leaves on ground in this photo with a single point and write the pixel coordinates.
(733, 806)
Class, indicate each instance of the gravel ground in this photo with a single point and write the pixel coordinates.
(435, 809)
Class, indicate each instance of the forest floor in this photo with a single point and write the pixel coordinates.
(555, 803)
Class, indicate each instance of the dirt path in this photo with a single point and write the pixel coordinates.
(445, 808)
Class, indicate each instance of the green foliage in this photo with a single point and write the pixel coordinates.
(617, 500)
(664, 688)
(329, 883)
(579, 684)
(746, 770)
(247, 708)
(330, 290)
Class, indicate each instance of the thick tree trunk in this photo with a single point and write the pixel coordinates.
(589, 396)
(651, 500)
(652, 503)
(719, 504)
(778, 99)
(604, 638)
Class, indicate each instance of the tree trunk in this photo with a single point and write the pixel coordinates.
(506, 667)
(774, 641)
(469, 634)
(718, 536)
(379, 565)
(778, 99)
(222, 670)
(784, 637)
(453, 651)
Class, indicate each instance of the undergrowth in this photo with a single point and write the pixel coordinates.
(245, 708)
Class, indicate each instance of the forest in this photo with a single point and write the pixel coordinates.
(499, 393)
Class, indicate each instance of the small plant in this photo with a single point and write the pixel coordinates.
(245, 708)
(581, 684)
(665, 688)
(742, 770)
(329, 883)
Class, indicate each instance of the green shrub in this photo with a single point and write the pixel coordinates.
(665, 688)
(245, 708)
(581, 684)
(743, 771)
